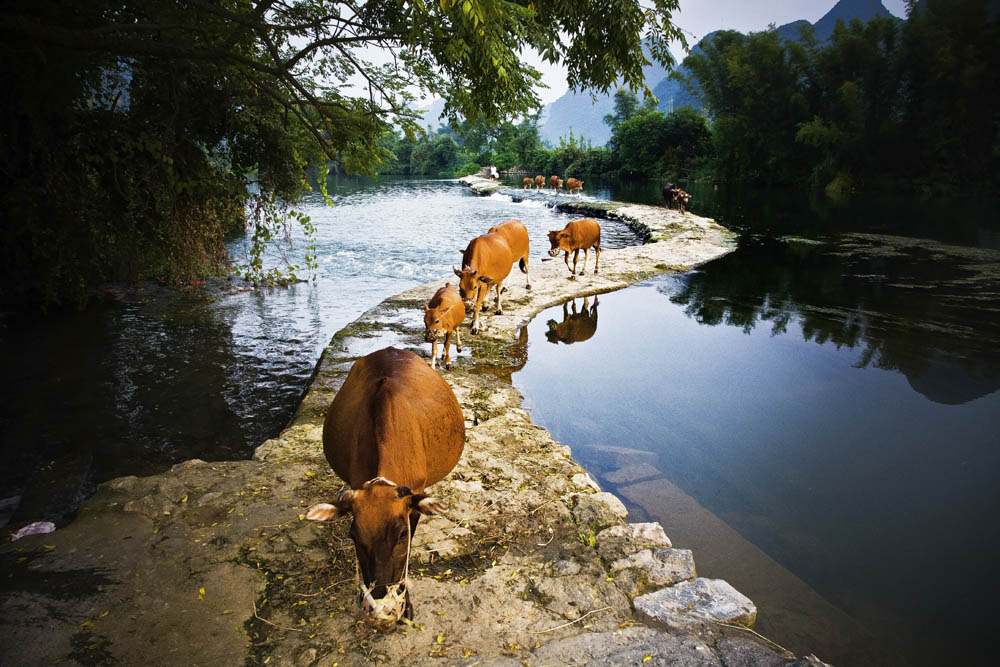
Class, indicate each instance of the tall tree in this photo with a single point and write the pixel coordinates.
(129, 126)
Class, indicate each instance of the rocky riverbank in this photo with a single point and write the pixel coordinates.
(213, 564)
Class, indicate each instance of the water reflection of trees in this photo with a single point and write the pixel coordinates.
(928, 310)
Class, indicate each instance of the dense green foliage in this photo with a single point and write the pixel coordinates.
(131, 128)
(647, 143)
(881, 104)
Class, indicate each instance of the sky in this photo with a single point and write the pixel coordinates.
(699, 17)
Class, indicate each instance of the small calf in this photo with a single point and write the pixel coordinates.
(442, 315)
(575, 236)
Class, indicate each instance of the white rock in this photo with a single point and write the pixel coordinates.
(583, 480)
(620, 541)
(715, 599)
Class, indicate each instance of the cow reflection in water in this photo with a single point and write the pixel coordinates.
(576, 326)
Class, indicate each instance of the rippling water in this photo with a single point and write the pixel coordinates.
(156, 376)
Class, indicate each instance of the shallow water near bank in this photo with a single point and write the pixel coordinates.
(831, 407)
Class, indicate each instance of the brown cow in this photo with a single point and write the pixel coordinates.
(539, 182)
(555, 183)
(573, 185)
(575, 327)
(392, 430)
(577, 235)
(442, 315)
(516, 235)
(681, 199)
(674, 197)
(528, 182)
(486, 263)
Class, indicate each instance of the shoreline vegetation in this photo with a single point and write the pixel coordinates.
(212, 562)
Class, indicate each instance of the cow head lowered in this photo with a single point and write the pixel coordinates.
(559, 240)
(469, 283)
(385, 516)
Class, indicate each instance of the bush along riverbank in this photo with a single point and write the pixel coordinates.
(214, 564)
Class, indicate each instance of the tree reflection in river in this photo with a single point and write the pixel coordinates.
(925, 309)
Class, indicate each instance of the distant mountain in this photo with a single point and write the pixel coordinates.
(586, 116)
(433, 115)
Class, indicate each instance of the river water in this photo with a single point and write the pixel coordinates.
(819, 408)
(823, 421)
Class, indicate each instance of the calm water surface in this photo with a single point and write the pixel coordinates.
(835, 404)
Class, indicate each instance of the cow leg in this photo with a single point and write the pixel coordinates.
(527, 276)
(447, 350)
(586, 254)
(458, 339)
(576, 257)
(434, 353)
(566, 259)
(597, 257)
(499, 291)
(480, 295)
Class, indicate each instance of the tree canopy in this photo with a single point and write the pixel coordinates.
(130, 126)
(880, 104)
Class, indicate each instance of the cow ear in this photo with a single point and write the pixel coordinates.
(426, 504)
(457, 272)
(486, 279)
(426, 308)
(327, 512)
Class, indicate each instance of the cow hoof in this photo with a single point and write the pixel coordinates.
(503, 291)
(572, 277)
(583, 273)
(447, 366)
(458, 348)
(475, 331)
(527, 287)
(499, 312)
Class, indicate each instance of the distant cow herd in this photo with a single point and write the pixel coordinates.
(395, 427)
(556, 184)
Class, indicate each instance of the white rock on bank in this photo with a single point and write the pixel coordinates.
(620, 541)
(596, 511)
(662, 567)
(715, 599)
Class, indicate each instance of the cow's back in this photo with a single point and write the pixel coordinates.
(394, 417)
(584, 233)
(516, 235)
(489, 255)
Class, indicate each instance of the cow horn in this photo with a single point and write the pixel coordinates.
(378, 480)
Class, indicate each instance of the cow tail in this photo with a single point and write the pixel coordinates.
(520, 264)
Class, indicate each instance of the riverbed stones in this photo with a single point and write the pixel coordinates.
(633, 473)
(713, 599)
